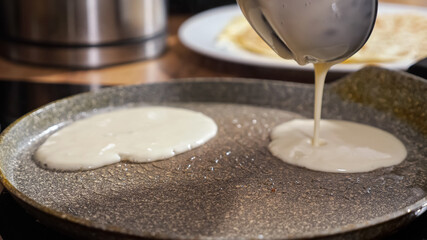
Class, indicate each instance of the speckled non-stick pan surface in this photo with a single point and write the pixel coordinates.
(231, 187)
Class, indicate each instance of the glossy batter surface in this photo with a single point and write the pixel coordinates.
(138, 135)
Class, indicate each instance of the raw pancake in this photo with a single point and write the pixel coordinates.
(138, 135)
(346, 146)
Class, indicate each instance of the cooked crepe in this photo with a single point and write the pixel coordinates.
(240, 33)
(395, 37)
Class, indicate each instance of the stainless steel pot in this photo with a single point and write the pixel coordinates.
(83, 33)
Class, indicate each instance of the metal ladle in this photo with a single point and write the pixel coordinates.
(312, 31)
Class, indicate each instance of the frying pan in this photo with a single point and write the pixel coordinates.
(231, 187)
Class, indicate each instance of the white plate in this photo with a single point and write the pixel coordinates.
(200, 33)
